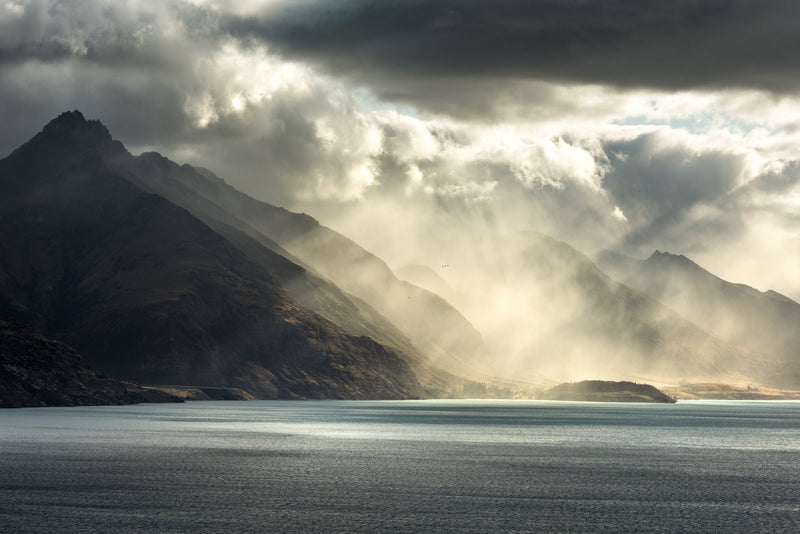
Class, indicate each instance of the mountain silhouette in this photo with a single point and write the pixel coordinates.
(148, 292)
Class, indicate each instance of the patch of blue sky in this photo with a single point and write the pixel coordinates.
(696, 123)
(367, 102)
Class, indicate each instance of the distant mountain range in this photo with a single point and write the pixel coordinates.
(547, 311)
(767, 322)
(162, 273)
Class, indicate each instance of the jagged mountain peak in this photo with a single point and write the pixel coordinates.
(667, 260)
(72, 125)
(69, 120)
(665, 255)
(71, 134)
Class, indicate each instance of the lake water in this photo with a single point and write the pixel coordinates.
(412, 466)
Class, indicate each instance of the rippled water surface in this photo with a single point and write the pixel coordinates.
(413, 466)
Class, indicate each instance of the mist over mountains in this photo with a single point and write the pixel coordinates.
(547, 311)
(764, 322)
(163, 273)
(146, 291)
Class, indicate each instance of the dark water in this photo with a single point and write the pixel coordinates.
(428, 466)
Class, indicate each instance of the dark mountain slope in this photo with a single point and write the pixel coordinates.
(179, 184)
(766, 322)
(148, 292)
(37, 371)
(432, 325)
(157, 174)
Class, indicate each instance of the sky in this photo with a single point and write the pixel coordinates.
(622, 125)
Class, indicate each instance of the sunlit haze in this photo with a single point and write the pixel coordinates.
(434, 134)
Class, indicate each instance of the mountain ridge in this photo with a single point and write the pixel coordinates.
(148, 292)
(368, 282)
(563, 313)
(763, 321)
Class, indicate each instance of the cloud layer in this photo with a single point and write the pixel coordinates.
(424, 52)
(608, 124)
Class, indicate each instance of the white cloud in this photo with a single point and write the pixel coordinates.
(550, 162)
(472, 191)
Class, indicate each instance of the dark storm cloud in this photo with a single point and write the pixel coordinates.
(138, 111)
(117, 34)
(657, 179)
(126, 63)
(406, 49)
(664, 178)
(243, 96)
(776, 182)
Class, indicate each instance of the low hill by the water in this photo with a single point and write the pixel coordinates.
(606, 391)
(37, 371)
